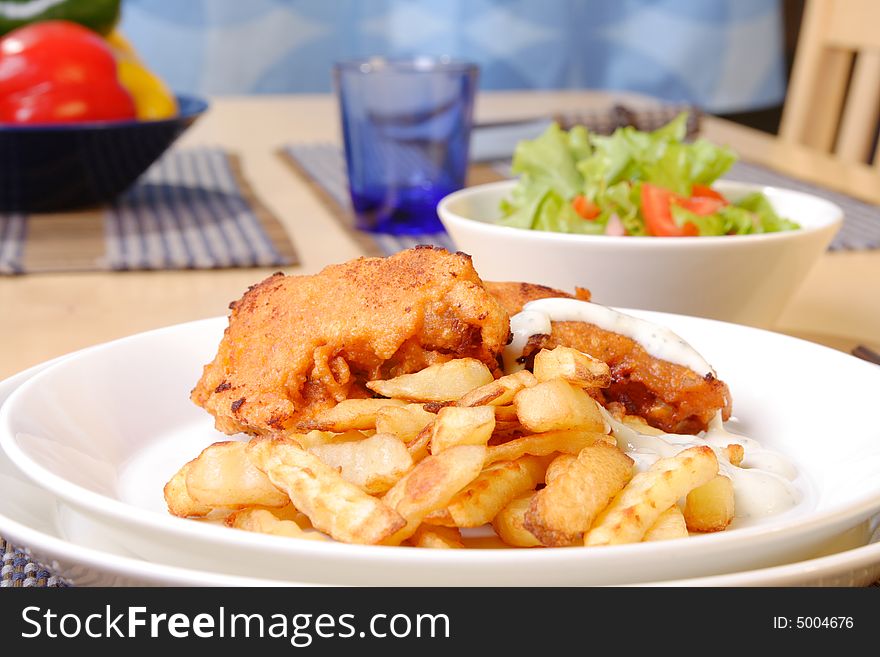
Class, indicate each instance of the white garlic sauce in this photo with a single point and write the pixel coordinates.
(658, 341)
(762, 482)
(523, 325)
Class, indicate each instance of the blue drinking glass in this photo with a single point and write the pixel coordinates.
(406, 125)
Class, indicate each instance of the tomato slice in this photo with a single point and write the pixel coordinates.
(585, 207)
(701, 205)
(656, 203)
(707, 192)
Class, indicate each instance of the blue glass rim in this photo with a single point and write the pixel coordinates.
(189, 108)
(419, 64)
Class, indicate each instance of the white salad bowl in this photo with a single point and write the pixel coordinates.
(746, 279)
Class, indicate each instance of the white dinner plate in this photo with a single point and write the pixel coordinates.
(30, 516)
(106, 428)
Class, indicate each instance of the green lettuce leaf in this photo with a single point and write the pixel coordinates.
(520, 208)
(756, 216)
(549, 160)
(557, 215)
(680, 166)
(712, 224)
(579, 143)
(766, 219)
(623, 200)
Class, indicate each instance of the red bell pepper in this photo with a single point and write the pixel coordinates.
(59, 72)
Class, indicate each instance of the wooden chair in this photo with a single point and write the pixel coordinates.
(833, 101)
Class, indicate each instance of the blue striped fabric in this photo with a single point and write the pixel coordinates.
(19, 570)
(861, 226)
(723, 55)
(188, 211)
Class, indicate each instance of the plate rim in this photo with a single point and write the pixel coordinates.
(26, 537)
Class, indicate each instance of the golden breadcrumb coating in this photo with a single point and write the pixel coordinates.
(296, 345)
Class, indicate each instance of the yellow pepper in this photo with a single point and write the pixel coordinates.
(152, 98)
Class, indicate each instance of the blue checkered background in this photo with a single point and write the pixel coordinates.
(723, 55)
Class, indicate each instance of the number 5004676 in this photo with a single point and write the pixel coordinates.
(827, 622)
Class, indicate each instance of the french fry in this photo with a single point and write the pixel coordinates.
(435, 406)
(710, 507)
(431, 485)
(649, 493)
(506, 413)
(288, 512)
(373, 464)
(405, 422)
(557, 406)
(180, 502)
(432, 536)
(562, 511)
(574, 366)
(418, 448)
(436, 383)
(349, 414)
(222, 476)
(669, 525)
(314, 438)
(491, 491)
(333, 505)
(735, 453)
(542, 444)
(499, 392)
(607, 438)
(505, 431)
(262, 521)
(557, 466)
(462, 426)
(508, 524)
(640, 425)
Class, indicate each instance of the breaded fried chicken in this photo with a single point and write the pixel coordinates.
(296, 345)
(513, 296)
(669, 396)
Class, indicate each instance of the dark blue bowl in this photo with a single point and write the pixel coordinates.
(48, 168)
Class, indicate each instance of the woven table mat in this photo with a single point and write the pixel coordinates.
(193, 209)
(19, 570)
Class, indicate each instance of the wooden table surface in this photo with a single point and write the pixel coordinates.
(48, 315)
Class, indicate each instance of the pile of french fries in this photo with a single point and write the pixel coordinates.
(450, 448)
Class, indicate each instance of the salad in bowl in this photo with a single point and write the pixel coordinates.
(630, 183)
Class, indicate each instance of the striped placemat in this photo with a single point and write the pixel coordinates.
(323, 165)
(19, 570)
(193, 209)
